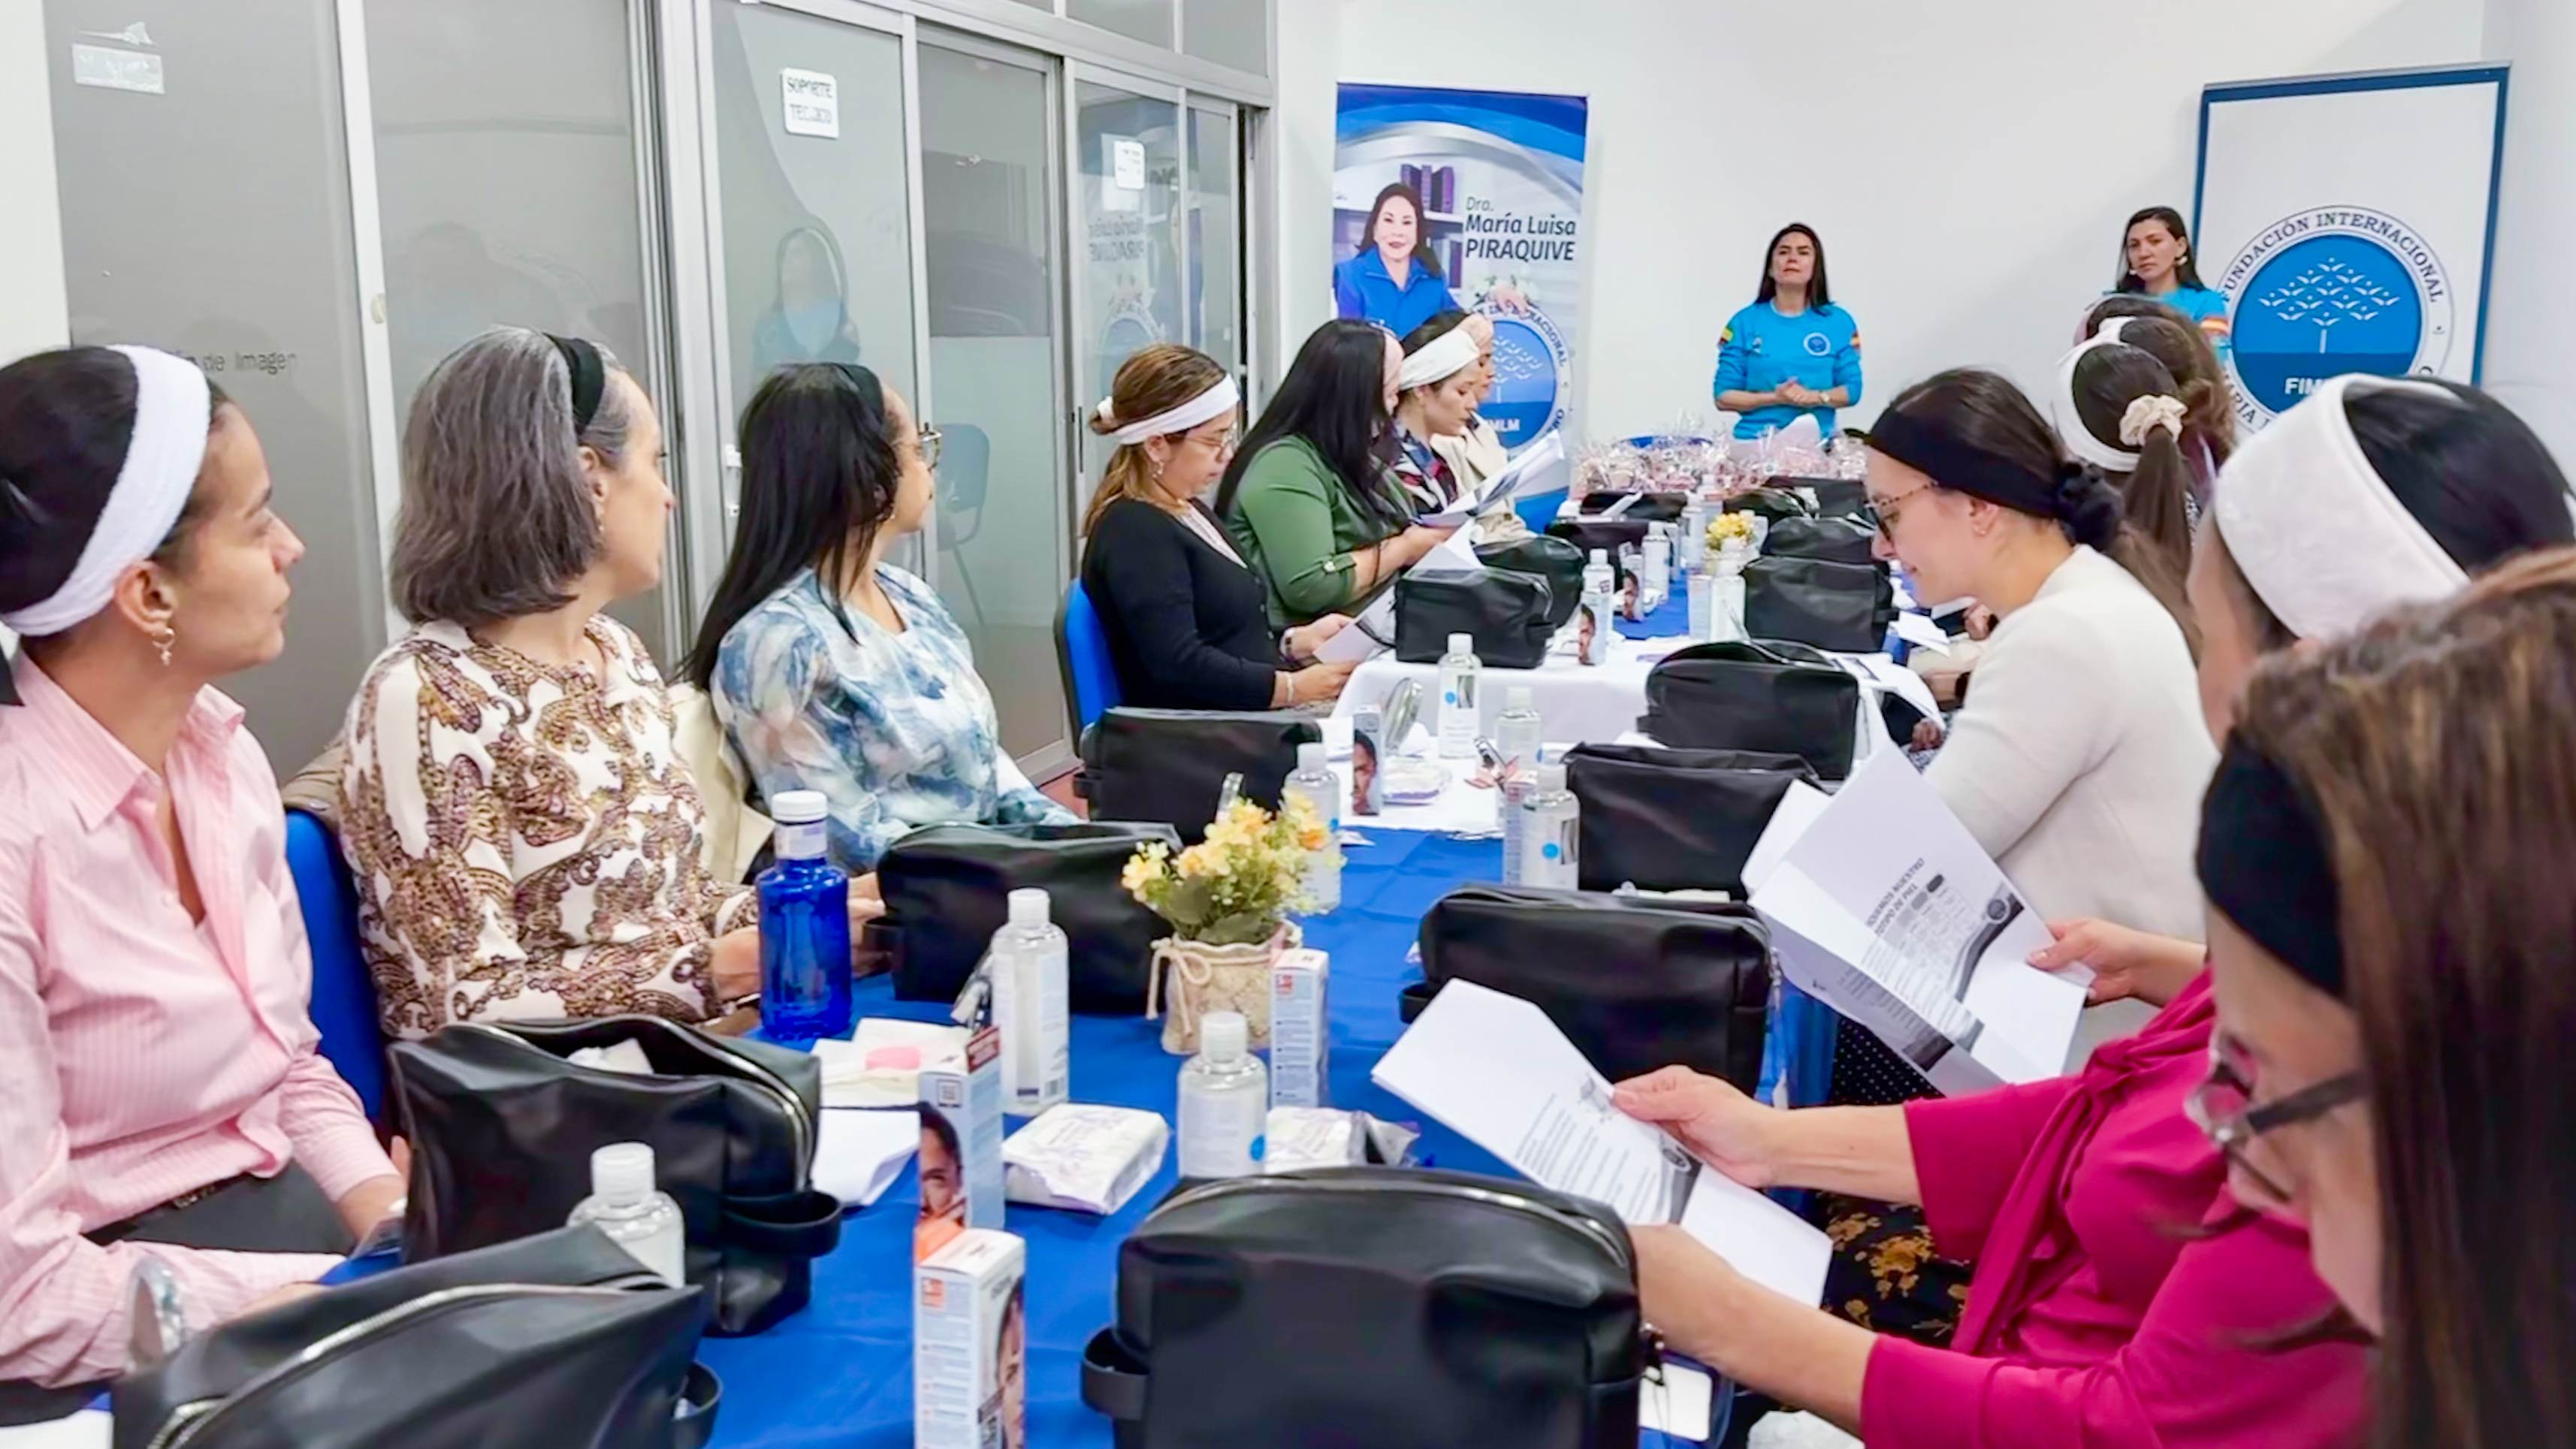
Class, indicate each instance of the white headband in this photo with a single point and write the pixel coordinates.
(162, 460)
(2317, 535)
(1220, 398)
(1446, 355)
(2144, 413)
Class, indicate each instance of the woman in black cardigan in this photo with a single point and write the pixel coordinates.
(1187, 623)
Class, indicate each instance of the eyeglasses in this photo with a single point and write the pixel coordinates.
(1883, 515)
(928, 441)
(2223, 1107)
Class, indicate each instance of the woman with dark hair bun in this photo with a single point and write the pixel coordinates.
(1393, 279)
(2076, 758)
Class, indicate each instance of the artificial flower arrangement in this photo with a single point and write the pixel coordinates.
(1228, 900)
(1736, 528)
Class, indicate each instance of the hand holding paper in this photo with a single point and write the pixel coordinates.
(1496, 1070)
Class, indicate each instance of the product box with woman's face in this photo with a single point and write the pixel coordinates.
(970, 1358)
(961, 1146)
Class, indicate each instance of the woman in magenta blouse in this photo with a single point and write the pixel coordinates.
(2121, 1296)
(159, 1078)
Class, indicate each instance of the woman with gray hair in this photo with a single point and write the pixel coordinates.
(522, 830)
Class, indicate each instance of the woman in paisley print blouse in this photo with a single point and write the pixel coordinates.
(831, 669)
(523, 834)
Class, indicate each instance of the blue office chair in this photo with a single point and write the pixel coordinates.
(1082, 654)
(965, 480)
(343, 1004)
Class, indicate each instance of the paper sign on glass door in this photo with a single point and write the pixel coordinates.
(813, 102)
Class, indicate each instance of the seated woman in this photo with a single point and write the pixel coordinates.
(2087, 1309)
(2431, 483)
(159, 1078)
(523, 833)
(1436, 392)
(2117, 408)
(1307, 500)
(831, 669)
(2209, 404)
(2389, 951)
(2078, 755)
(1185, 619)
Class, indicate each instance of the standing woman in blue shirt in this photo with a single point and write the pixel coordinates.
(2155, 261)
(1394, 281)
(1793, 352)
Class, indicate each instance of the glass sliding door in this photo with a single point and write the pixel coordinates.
(989, 179)
(811, 173)
(516, 199)
(1216, 235)
(1129, 223)
(213, 219)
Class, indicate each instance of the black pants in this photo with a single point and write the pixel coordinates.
(282, 1214)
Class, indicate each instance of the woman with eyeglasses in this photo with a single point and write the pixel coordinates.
(2090, 1317)
(2385, 847)
(831, 669)
(1185, 619)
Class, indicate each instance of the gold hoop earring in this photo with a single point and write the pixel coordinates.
(164, 641)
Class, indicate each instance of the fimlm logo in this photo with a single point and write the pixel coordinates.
(2334, 290)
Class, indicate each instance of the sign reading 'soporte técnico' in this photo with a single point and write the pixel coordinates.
(2349, 220)
(1492, 184)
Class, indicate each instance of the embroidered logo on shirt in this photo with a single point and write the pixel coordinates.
(1818, 345)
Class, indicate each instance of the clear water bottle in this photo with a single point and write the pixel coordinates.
(1459, 676)
(1658, 584)
(1703, 602)
(1519, 737)
(1225, 1101)
(624, 1204)
(1691, 544)
(1316, 784)
(804, 929)
(1029, 1008)
(1551, 822)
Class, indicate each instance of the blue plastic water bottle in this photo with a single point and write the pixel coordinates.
(804, 930)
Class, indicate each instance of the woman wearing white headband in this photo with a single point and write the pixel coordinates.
(1186, 620)
(1436, 392)
(159, 1077)
(2369, 495)
(2117, 408)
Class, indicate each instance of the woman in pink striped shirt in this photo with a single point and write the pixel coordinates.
(159, 1082)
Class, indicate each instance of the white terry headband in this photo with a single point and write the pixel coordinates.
(162, 460)
(2317, 535)
(2154, 411)
(1220, 398)
(1446, 355)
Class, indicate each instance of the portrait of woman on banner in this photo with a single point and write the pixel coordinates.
(1393, 280)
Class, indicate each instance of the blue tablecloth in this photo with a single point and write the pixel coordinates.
(840, 1373)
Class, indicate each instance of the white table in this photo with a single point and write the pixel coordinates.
(1575, 702)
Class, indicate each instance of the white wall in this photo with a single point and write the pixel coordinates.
(2528, 361)
(32, 310)
(1968, 164)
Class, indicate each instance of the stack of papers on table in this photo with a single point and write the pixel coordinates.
(1500, 1073)
(1882, 905)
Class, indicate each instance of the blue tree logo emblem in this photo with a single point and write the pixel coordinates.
(1529, 377)
(2331, 292)
(2328, 292)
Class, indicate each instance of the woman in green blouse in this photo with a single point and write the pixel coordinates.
(1307, 499)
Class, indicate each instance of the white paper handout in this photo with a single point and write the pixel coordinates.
(858, 1153)
(1531, 472)
(1499, 1073)
(1884, 907)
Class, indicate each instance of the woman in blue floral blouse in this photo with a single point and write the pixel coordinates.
(831, 669)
